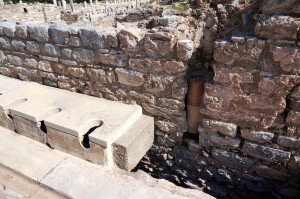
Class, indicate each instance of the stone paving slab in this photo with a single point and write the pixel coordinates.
(52, 173)
(26, 156)
(7, 84)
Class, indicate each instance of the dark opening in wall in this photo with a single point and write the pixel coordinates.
(25, 10)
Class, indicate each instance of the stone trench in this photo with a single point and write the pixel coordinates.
(249, 135)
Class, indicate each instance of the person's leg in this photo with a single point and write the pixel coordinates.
(194, 102)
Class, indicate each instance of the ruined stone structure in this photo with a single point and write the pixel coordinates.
(249, 138)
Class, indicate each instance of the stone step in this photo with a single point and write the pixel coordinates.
(81, 125)
(30, 169)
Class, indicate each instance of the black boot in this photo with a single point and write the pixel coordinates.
(190, 136)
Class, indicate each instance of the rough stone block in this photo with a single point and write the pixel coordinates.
(268, 172)
(224, 128)
(75, 41)
(83, 55)
(15, 60)
(278, 27)
(4, 43)
(73, 145)
(92, 39)
(30, 129)
(265, 153)
(59, 34)
(38, 33)
(159, 44)
(145, 65)
(33, 47)
(287, 62)
(225, 141)
(185, 49)
(293, 118)
(129, 77)
(288, 141)
(2, 57)
(114, 60)
(157, 83)
(232, 158)
(51, 50)
(257, 136)
(21, 31)
(173, 67)
(129, 149)
(9, 29)
(18, 45)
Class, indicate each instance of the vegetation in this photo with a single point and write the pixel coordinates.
(180, 7)
(151, 1)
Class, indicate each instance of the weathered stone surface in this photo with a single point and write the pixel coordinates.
(271, 173)
(67, 52)
(4, 43)
(184, 49)
(232, 158)
(158, 44)
(145, 65)
(288, 141)
(169, 21)
(173, 67)
(92, 39)
(265, 153)
(21, 31)
(29, 129)
(129, 39)
(6, 121)
(284, 7)
(227, 129)
(257, 136)
(227, 75)
(97, 74)
(288, 57)
(14, 60)
(278, 27)
(266, 86)
(114, 60)
(38, 33)
(33, 47)
(171, 103)
(155, 83)
(18, 45)
(293, 118)
(31, 63)
(83, 55)
(179, 88)
(51, 50)
(225, 141)
(230, 103)
(146, 98)
(2, 57)
(45, 66)
(68, 62)
(227, 52)
(76, 72)
(59, 34)
(166, 125)
(9, 29)
(75, 41)
(163, 112)
(129, 77)
(74, 145)
(129, 149)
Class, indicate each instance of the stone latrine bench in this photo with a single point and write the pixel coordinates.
(97, 130)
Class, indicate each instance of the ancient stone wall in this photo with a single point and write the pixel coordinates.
(146, 68)
(249, 139)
